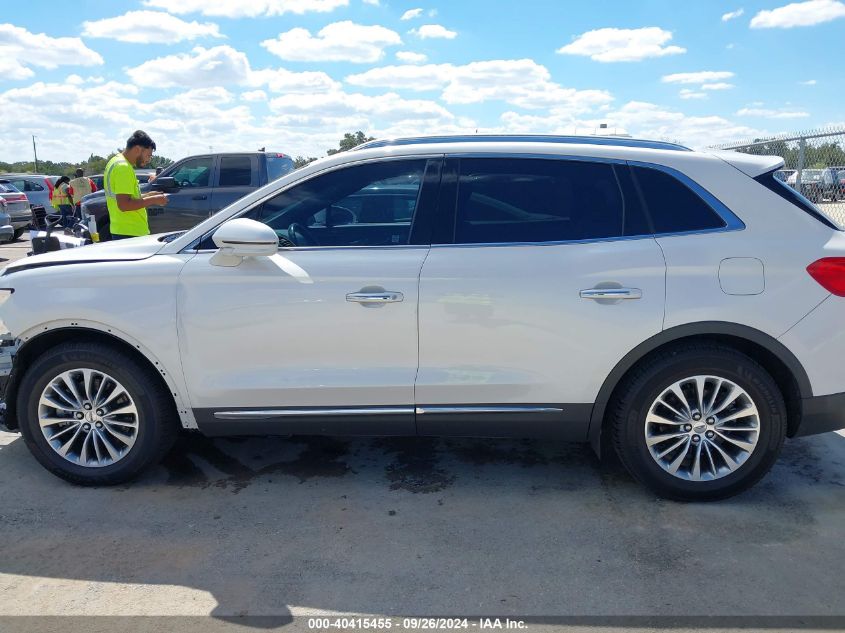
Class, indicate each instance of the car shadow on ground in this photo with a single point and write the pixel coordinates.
(434, 526)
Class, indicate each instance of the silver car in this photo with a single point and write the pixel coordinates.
(17, 206)
(7, 231)
(37, 187)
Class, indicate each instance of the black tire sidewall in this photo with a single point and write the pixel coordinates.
(123, 369)
(749, 376)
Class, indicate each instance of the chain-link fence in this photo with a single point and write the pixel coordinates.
(814, 164)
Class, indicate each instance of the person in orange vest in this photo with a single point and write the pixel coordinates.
(61, 201)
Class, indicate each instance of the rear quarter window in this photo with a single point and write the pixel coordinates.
(672, 205)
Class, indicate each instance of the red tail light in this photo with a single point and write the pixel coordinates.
(21, 197)
(829, 272)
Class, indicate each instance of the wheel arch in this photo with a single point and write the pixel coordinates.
(39, 339)
(775, 357)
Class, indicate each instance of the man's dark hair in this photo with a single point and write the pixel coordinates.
(139, 137)
(79, 172)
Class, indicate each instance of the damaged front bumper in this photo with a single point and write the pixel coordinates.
(8, 349)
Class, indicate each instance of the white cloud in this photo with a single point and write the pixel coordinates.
(386, 107)
(223, 65)
(521, 82)
(622, 45)
(701, 77)
(410, 14)
(732, 15)
(247, 9)
(809, 82)
(374, 3)
(411, 58)
(339, 41)
(434, 31)
(20, 50)
(717, 86)
(799, 14)
(149, 27)
(772, 114)
(254, 95)
(686, 93)
(281, 80)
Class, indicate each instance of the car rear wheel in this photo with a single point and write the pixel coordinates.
(18, 233)
(699, 422)
(93, 415)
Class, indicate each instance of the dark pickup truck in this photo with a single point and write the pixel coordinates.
(200, 186)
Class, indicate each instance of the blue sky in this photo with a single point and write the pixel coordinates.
(293, 75)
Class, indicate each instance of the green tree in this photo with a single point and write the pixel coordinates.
(302, 161)
(349, 141)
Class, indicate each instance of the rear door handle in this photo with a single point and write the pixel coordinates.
(612, 293)
(375, 297)
(200, 198)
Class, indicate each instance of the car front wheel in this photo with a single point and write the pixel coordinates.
(94, 415)
(699, 422)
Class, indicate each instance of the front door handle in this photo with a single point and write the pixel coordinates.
(200, 198)
(386, 296)
(612, 293)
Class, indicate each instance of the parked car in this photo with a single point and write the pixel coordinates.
(200, 186)
(833, 183)
(38, 188)
(811, 184)
(7, 231)
(784, 174)
(628, 293)
(17, 206)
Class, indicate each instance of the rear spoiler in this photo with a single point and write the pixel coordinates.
(749, 164)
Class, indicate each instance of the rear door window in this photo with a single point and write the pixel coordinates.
(238, 171)
(512, 200)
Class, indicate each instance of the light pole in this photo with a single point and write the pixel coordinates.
(35, 153)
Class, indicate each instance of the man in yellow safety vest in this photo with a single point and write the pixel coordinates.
(127, 207)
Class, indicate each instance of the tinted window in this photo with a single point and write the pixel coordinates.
(535, 200)
(367, 205)
(278, 165)
(235, 171)
(193, 173)
(674, 207)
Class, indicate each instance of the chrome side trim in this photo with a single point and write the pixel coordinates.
(482, 409)
(266, 414)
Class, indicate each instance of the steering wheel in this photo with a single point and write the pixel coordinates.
(301, 236)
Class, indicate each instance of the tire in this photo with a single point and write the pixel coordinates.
(154, 418)
(635, 410)
(18, 233)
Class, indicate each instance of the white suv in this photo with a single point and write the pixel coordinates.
(681, 307)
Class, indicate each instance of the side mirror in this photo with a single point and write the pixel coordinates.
(168, 183)
(241, 238)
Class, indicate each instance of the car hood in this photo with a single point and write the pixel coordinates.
(118, 250)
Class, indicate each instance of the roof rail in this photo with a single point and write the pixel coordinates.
(529, 138)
